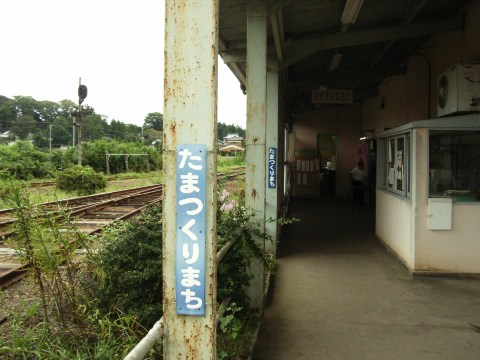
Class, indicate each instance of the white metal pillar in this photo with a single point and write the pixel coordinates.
(255, 135)
(190, 102)
(271, 199)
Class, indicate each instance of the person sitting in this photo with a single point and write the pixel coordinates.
(359, 177)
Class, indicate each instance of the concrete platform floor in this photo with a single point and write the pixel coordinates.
(338, 294)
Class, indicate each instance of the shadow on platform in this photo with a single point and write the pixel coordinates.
(337, 294)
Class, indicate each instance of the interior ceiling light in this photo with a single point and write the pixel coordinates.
(351, 11)
(335, 61)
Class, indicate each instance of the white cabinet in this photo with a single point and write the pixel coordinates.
(440, 214)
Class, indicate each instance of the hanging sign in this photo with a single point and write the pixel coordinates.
(272, 168)
(330, 96)
(191, 227)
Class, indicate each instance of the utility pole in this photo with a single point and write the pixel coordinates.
(82, 94)
(50, 137)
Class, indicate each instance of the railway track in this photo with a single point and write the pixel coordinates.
(7, 216)
(91, 215)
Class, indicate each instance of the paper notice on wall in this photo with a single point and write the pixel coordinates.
(303, 166)
(391, 176)
(304, 179)
(298, 165)
(307, 166)
(312, 165)
(299, 179)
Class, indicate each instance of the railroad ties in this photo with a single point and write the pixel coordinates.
(91, 215)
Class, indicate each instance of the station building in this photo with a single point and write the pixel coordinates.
(395, 84)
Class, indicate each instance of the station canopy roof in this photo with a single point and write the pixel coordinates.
(231, 148)
(371, 43)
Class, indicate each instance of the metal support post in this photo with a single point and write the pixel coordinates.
(107, 158)
(79, 136)
(148, 162)
(273, 157)
(82, 94)
(255, 138)
(50, 138)
(190, 126)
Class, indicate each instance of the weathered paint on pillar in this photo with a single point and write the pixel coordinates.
(191, 32)
(255, 135)
(271, 200)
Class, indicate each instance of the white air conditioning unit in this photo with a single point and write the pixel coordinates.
(459, 90)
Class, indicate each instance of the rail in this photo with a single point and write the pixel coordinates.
(156, 332)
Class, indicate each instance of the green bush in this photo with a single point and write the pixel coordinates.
(24, 162)
(82, 180)
(63, 159)
(94, 155)
(131, 260)
(64, 322)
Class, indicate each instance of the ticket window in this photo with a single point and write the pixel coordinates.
(454, 164)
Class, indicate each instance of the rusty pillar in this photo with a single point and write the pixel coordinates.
(190, 102)
(255, 136)
(273, 157)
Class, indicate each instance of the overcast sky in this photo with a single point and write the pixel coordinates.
(115, 46)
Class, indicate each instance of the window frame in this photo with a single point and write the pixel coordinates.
(455, 169)
(389, 155)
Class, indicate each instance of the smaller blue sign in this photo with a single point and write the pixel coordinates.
(191, 226)
(272, 168)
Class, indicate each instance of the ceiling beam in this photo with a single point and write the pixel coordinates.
(234, 68)
(406, 19)
(313, 80)
(300, 49)
(297, 50)
(277, 30)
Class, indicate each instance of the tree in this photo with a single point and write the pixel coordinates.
(60, 133)
(117, 129)
(40, 140)
(224, 129)
(24, 125)
(93, 127)
(66, 109)
(47, 111)
(154, 121)
(7, 112)
(151, 135)
(26, 106)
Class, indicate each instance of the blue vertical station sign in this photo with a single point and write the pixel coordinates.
(191, 227)
(272, 168)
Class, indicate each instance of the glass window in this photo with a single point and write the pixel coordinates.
(396, 175)
(454, 164)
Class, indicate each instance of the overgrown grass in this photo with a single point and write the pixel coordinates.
(65, 322)
(124, 181)
(117, 182)
(228, 163)
(119, 288)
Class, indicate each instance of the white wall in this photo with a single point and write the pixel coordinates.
(450, 251)
(402, 224)
(393, 223)
(445, 251)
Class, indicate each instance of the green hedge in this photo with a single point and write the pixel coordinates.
(24, 162)
(82, 180)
